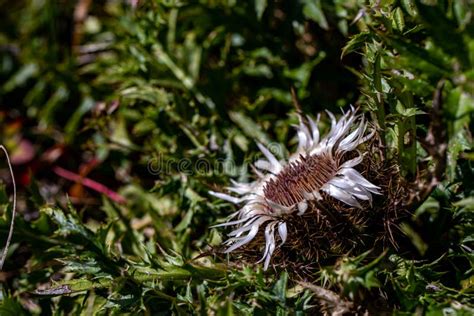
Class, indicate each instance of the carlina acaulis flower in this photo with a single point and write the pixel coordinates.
(322, 168)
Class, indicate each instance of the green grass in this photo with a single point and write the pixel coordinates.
(163, 102)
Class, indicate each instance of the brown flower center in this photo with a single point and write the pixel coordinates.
(307, 174)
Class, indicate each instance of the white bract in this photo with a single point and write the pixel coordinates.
(283, 187)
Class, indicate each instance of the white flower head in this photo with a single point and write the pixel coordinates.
(284, 187)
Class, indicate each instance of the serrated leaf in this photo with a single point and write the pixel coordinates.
(356, 42)
(407, 112)
(444, 32)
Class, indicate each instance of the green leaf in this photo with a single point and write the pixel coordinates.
(67, 224)
(280, 287)
(410, 7)
(463, 13)
(185, 222)
(72, 286)
(144, 127)
(260, 6)
(370, 280)
(25, 73)
(11, 307)
(72, 125)
(407, 112)
(249, 127)
(444, 32)
(419, 58)
(415, 238)
(398, 19)
(312, 10)
(227, 309)
(356, 42)
(170, 273)
(144, 92)
(377, 75)
(302, 74)
(186, 80)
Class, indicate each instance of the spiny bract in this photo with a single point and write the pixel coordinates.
(319, 166)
